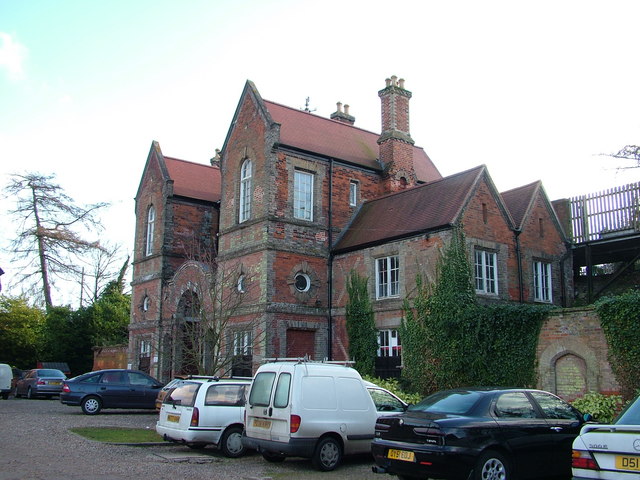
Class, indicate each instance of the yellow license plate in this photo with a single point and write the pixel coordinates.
(55, 383)
(624, 462)
(259, 423)
(401, 455)
(173, 418)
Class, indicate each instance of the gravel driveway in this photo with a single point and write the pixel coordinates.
(36, 444)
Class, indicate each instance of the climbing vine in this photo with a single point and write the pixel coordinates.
(620, 317)
(361, 327)
(450, 340)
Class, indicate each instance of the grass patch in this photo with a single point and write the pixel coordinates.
(118, 435)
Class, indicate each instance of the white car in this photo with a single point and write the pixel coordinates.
(609, 452)
(202, 411)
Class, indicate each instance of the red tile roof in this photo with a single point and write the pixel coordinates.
(194, 180)
(423, 208)
(331, 138)
(518, 201)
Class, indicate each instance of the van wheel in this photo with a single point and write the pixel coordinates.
(272, 457)
(91, 405)
(231, 443)
(327, 455)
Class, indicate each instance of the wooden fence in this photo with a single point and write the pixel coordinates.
(609, 213)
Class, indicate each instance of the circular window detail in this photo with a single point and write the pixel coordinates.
(302, 282)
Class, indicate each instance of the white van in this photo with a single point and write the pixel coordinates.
(6, 374)
(309, 409)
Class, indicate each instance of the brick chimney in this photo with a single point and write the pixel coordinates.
(395, 142)
(343, 116)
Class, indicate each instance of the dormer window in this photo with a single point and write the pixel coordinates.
(151, 220)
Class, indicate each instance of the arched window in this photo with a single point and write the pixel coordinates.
(151, 220)
(245, 191)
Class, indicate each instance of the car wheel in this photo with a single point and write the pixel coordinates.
(231, 443)
(327, 455)
(492, 465)
(91, 405)
(5, 396)
(30, 394)
(273, 457)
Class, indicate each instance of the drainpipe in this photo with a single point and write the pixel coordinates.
(516, 236)
(330, 267)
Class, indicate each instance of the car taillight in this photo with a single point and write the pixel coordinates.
(582, 459)
(65, 388)
(195, 417)
(41, 382)
(294, 423)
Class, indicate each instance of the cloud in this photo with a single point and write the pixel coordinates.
(12, 56)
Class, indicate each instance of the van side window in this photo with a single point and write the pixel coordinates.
(261, 389)
(281, 398)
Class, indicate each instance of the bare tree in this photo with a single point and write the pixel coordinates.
(102, 267)
(48, 238)
(628, 152)
(216, 333)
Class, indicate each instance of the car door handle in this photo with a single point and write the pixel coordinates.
(557, 429)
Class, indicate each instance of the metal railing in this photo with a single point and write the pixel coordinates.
(608, 213)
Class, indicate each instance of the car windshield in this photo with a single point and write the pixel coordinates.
(630, 415)
(456, 402)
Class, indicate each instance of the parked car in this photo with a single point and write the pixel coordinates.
(165, 390)
(200, 411)
(386, 402)
(6, 380)
(609, 452)
(314, 410)
(113, 388)
(479, 433)
(40, 382)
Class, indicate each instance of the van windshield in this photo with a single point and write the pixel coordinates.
(261, 389)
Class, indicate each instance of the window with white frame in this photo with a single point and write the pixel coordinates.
(246, 173)
(387, 277)
(542, 282)
(486, 272)
(151, 221)
(243, 342)
(145, 348)
(353, 193)
(303, 195)
(389, 343)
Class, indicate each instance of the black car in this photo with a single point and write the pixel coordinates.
(115, 388)
(479, 433)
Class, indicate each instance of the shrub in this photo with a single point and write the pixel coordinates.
(603, 408)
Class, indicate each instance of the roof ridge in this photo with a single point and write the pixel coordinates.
(522, 187)
(191, 162)
(321, 117)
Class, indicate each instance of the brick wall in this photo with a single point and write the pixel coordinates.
(572, 355)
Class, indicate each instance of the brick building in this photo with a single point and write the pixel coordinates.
(294, 202)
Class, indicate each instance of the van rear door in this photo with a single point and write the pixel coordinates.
(267, 413)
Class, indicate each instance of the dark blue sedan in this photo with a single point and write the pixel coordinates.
(115, 388)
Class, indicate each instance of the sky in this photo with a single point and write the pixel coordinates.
(535, 90)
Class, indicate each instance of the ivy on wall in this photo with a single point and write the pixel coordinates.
(620, 320)
(360, 323)
(450, 340)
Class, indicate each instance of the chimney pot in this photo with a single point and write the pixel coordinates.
(401, 83)
(388, 82)
(339, 106)
(394, 80)
(346, 109)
